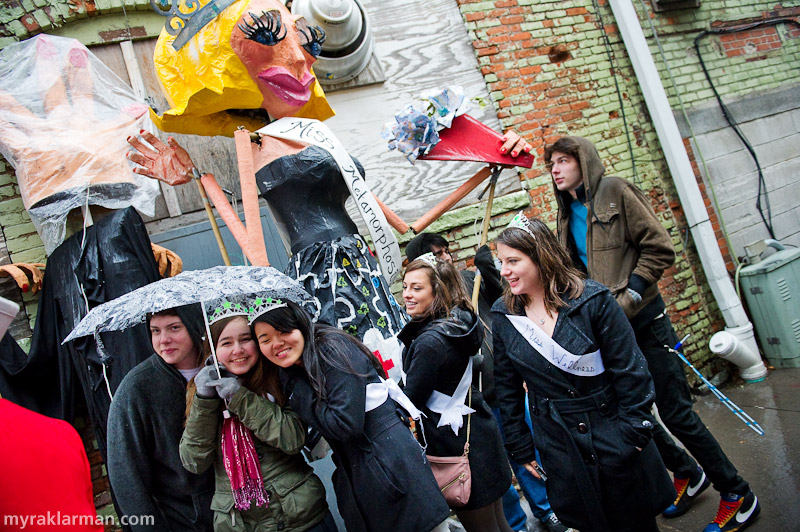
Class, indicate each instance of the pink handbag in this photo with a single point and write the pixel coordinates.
(453, 474)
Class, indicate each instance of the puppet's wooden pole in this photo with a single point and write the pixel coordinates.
(485, 234)
(211, 218)
(394, 220)
(255, 247)
(451, 200)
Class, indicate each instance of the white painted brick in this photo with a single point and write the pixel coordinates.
(766, 130)
(726, 169)
(718, 143)
(778, 150)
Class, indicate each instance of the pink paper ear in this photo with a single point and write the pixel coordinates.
(468, 139)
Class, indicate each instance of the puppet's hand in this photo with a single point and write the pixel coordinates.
(169, 263)
(166, 162)
(513, 144)
(26, 275)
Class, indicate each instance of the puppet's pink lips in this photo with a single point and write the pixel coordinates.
(285, 86)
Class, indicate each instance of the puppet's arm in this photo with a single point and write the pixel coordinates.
(166, 162)
(26, 275)
(171, 164)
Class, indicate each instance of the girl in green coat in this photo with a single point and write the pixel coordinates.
(293, 499)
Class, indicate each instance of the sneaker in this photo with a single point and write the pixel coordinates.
(736, 512)
(688, 490)
(552, 524)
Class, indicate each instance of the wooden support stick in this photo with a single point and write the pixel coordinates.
(394, 220)
(484, 235)
(211, 218)
(451, 200)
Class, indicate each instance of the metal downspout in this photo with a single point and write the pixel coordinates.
(679, 165)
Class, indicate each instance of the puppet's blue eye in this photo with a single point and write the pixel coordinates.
(311, 37)
(265, 29)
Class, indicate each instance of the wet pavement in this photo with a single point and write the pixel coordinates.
(770, 463)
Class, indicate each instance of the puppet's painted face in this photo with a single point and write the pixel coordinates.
(278, 50)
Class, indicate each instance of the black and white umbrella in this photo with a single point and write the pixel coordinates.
(194, 286)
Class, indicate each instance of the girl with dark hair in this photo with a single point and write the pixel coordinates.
(590, 392)
(292, 498)
(440, 341)
(337, 386)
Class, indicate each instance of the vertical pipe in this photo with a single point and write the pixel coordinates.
(679, 165)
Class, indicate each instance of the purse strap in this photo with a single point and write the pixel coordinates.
(469, 420)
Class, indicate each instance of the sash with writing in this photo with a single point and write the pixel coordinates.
(314, 132)
(588, 365)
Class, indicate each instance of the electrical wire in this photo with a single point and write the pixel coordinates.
(612, 60)
(697, 149)
(762, 186)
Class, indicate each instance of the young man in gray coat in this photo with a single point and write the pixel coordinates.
(612, 233)
(145, 422)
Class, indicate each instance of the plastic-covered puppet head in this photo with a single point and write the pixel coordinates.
(254, 55)
(64, 118)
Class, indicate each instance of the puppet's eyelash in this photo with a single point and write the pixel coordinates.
(315, 37)
(265, 29)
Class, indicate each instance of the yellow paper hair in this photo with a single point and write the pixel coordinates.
(205, 78)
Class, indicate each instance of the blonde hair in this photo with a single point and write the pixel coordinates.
(205, 79)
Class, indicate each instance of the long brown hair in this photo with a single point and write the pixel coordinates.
(556, 272)
(261, 379)
(448, 288)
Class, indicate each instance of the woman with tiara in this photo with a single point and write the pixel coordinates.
(336, 385)
(568, 343)
(269, 486)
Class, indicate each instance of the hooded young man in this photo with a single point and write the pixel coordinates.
(612, 233)
(145, 423)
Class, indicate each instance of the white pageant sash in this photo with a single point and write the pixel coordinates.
(378, 392)
(588, 365)
(452, 408)
(310, 131)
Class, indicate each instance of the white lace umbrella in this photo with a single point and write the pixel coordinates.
(195, 286)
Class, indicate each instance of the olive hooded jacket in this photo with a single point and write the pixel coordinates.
(626, 245)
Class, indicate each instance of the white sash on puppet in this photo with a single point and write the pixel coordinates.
(452, 408)
(379, 392)
(588, 365)
(314, 132)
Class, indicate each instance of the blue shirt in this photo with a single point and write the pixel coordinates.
(577, 228)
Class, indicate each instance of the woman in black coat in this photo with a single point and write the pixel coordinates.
(440, 342)
(336, 385)
(589, 388)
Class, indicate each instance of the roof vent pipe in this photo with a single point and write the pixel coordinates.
(348, 44)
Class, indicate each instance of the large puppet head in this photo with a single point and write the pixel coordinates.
(254, 55)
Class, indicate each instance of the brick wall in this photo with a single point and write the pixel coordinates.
(739, 63)
(19, 241)
(549, 72)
